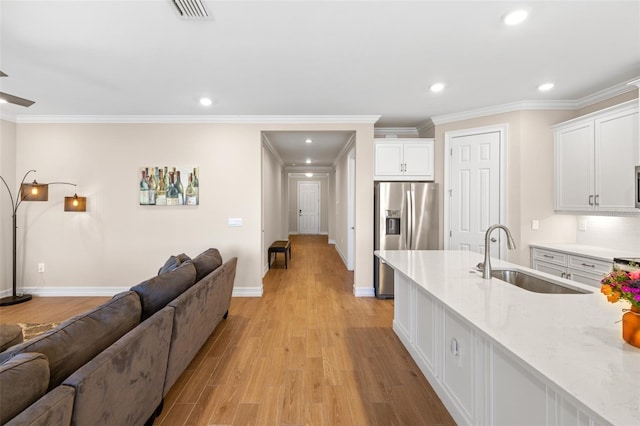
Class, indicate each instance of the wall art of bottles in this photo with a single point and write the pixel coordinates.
(169, 186)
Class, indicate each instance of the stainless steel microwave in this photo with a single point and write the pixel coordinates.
(637, 175)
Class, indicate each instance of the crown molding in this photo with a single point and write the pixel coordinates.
(200, 119)
(602, 95)
(8, 117)
(308, 169)
(425, 126)
(345, 149)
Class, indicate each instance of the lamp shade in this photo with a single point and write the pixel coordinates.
(75, 204)
(34, 191)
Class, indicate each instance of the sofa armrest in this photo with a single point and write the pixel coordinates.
(197, 313)
(54, 408)
(123, 384)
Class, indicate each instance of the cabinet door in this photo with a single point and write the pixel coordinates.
(574, 168)
(458, 360)
(388, 159)
(418, 160)
(617, 152)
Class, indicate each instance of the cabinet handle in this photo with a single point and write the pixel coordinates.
(455, 348)
(547, 256)
(569, 276)
(563, 274)
(587, 265)
(590, 200)
(597, 199)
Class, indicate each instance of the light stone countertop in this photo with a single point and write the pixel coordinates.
(574, 340)
(602, 253)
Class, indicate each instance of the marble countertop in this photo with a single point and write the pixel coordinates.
(574, 340)
(602, 253)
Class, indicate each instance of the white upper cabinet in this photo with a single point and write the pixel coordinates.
(595, 157)
(404, 159)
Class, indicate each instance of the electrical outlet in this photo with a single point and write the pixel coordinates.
(582, 224)
(40, 267)
(535, 224)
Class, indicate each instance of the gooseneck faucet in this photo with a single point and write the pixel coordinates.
(486, 272)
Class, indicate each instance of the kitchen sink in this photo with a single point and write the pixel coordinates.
(533, 283)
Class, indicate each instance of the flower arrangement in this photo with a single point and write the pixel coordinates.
(622, 285)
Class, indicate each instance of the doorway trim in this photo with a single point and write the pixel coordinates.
(351, 208)
(502, 129)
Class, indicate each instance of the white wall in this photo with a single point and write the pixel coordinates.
(341, 206)
(118, 243)
(8, 172)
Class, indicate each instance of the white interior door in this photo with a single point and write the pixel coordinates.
(308, 207)
(474, 189)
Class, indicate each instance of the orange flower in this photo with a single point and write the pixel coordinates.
(613, 297)
(605, 289)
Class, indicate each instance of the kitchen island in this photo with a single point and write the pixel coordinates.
(498, 354)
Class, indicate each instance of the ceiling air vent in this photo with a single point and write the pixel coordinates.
(191, 9)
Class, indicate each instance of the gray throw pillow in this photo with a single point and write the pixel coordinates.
(207, 262)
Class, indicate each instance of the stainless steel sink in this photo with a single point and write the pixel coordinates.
(533, 283)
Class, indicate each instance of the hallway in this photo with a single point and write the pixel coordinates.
(307, 352)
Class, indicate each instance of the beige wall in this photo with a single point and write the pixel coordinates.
(8, 172)
(118, 243)
(341, 206)
(272, 196)
(529, 183)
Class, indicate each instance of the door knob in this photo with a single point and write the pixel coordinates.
(493, 240)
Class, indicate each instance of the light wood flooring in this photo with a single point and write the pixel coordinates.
(306, 353)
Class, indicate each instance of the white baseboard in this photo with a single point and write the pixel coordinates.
(332, 242)
(247, 292)
(364, 291)
(342, 256)
(73, 291)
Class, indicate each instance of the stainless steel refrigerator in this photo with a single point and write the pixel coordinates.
(406, 218)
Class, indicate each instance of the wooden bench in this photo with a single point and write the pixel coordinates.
(280, 247)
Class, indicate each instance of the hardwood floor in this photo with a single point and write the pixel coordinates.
(306, 353)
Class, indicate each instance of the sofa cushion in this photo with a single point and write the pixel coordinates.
(76, 341)
(207, 262)
(156, 292)
(55, 408)
(173, 262)
(23, 380)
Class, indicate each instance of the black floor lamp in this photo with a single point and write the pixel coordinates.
(30, 192)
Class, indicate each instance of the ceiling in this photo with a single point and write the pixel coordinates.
(140, 58)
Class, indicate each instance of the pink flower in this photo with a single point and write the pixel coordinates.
(634, 275)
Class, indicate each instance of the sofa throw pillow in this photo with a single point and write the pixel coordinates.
(207, 262)
(23, 380)
(156, 292)
(173, 262)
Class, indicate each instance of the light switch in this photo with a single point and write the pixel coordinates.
(535, 225)
(235, 221)
(582, 224)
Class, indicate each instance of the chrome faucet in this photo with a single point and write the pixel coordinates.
(486, 272)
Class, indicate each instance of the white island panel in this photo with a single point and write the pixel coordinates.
(572, 343)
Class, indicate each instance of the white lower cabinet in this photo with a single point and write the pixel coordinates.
(583, 269)
(478, 381)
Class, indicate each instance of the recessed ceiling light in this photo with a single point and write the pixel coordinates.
(546, 86)
(205, 101)
(308, 174)
(516, 17)
(308, 141)
(437, 87)
(308, 161)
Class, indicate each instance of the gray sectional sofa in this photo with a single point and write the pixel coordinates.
(114, 364)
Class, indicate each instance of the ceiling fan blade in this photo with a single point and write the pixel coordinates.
(3, 74)
(16, 100)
